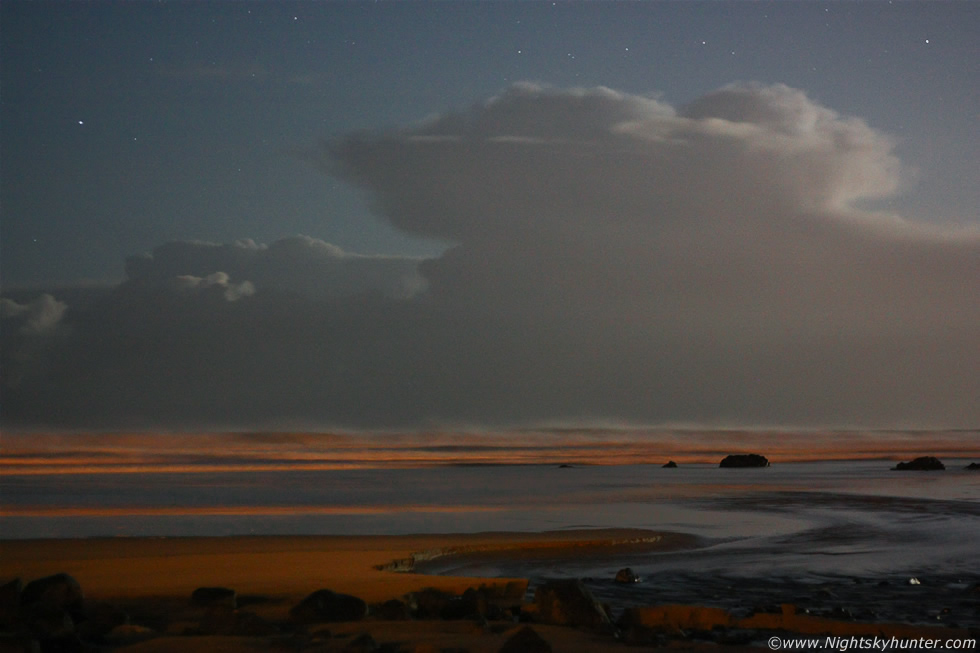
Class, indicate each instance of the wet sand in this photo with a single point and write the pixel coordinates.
(152, 580)
(289, 566)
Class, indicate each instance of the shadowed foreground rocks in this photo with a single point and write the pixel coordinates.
(570, 603)
(324, 605)
(52, 615)
(526, 640)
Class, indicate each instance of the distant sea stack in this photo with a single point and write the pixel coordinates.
(670, 465)
(745, 460)
(973, 467)
(921, 464)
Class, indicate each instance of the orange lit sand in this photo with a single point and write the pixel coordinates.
(158, 575)
(290, 566)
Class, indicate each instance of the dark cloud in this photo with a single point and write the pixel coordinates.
(615, 259)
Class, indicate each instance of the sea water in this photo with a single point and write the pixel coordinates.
(853, 530)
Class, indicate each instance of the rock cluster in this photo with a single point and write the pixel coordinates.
(52, 614)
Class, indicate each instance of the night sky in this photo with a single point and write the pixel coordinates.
(405, 215)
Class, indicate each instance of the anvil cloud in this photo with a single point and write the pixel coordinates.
(613, 259)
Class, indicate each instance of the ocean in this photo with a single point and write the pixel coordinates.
(851, 532)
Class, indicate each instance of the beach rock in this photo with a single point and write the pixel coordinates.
(525, 640)
(973, 467)
(10, 604)
(675, 618)
(570, 603)
(626, 576)
(473, 604)
(57, 592)
(100, 618)
(64, 644)
(565, 466)
(515, 589)
(363, 643)
(392, 610)
(428, 603)
(670, 465)
(921, 464)
(215, 596)
(16, 643)
(222, 620)
(458, 608)
(324, 605)
(127, 634)
(744, 460)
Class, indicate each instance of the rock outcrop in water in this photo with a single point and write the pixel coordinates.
(670, 465)
(973, 467)
(921, 464)
(745, 460)
(626, 575)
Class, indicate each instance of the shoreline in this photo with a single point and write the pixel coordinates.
(370, 566)
(152, 581)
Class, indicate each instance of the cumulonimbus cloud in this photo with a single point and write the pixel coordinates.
(615, 259)
(297, 264)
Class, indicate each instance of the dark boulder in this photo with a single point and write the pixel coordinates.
(570, 603)
(129, 634)
(429, 603)
(10, 604)
(363, 643)
(525, 640)
(391, 610)
(921, 464)
(670, 465)
(473, 604)
(973, 466)
(324, 605)
(100, 618)
(222, 620)
(626, 576)
(744, 460)
(45, 623)
(57, 592)
(215, 596)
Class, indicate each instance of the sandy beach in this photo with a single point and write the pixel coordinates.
(152, 580)
(366, 566)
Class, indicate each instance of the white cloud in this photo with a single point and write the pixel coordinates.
(616, 260)
(40, 316)
(218, 280)
(298, 264)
